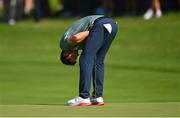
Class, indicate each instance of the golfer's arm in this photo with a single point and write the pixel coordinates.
(78, 38)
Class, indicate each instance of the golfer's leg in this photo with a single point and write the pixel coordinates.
(91, 46)
(100, 61)
(100, 69)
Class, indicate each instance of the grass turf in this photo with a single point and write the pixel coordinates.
(142, 66)
(109, 110)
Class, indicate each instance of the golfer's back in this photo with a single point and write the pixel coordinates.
(83, 24)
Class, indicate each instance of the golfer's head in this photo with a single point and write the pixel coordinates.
(69, 57)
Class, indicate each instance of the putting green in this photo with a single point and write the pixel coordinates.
(171, 109)
(142, 70)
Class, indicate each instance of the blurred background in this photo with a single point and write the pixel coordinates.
(15, 10)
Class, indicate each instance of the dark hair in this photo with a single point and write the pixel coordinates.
(65, 61)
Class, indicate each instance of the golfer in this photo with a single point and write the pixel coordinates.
(93, 35)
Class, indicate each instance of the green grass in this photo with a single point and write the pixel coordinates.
(142, 67)
(109, 110)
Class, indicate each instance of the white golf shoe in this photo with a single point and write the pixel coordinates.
(97, 101)
(158, 14)
(78, 101)
(148, 15)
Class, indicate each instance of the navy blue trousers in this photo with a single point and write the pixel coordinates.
(94, 51)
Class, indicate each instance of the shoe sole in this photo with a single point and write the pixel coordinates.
(98, 103)
(84, 104)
